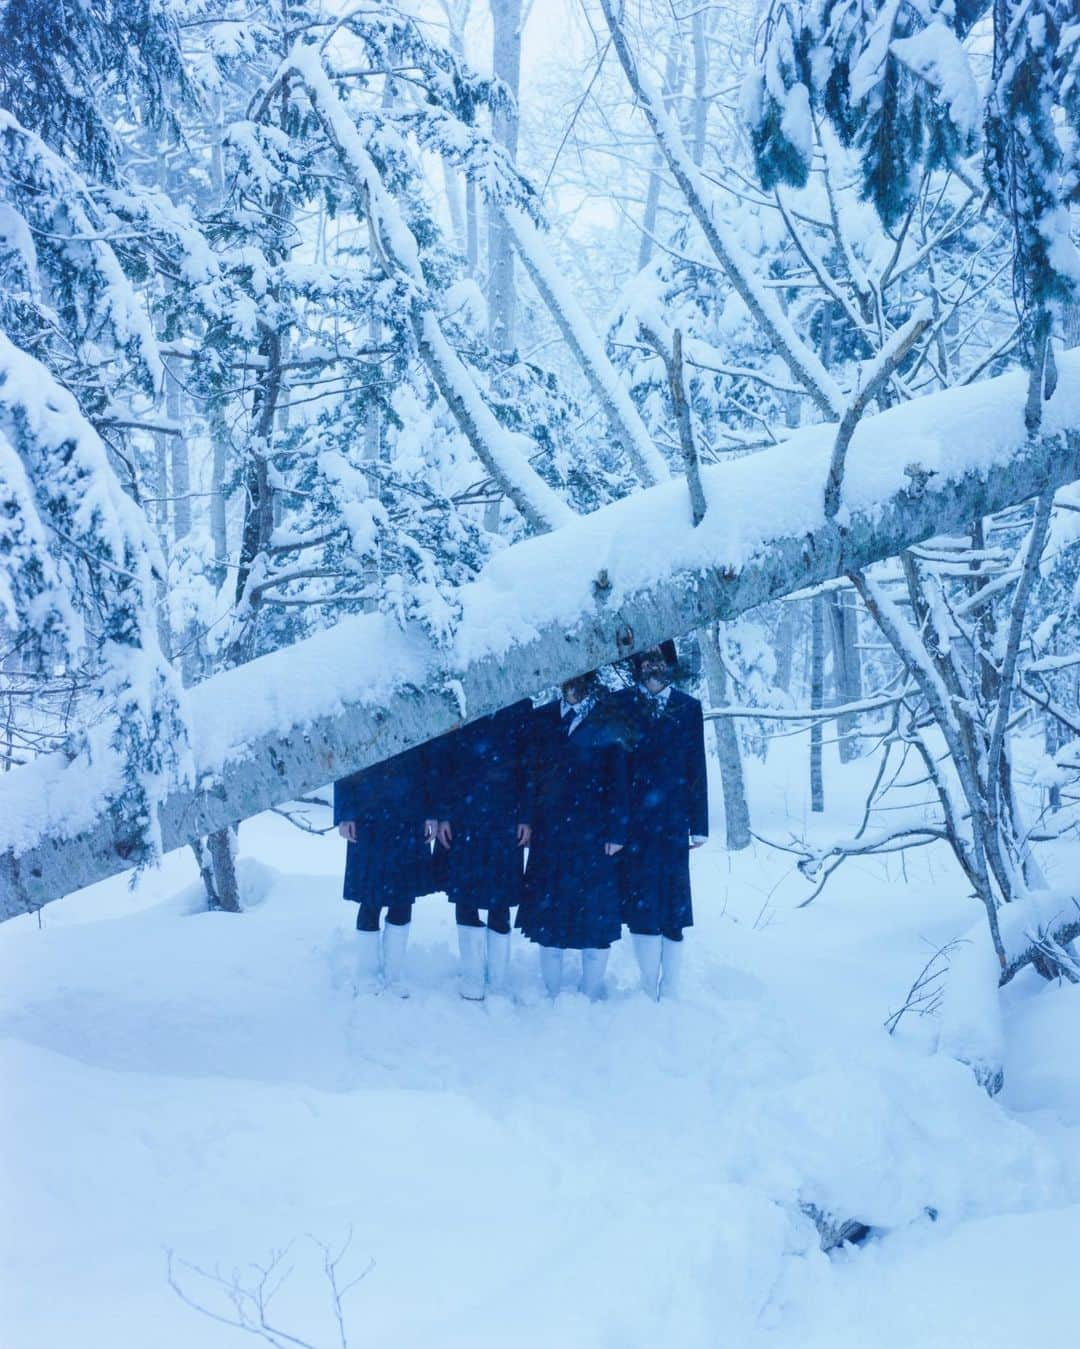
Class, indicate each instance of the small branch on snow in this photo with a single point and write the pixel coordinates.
(924, 995)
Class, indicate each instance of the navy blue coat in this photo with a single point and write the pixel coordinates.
(389, 863)
(669, 802)
(578, 787)
(478, 781)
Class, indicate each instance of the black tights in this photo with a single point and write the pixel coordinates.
(397, 915)
(498, 916)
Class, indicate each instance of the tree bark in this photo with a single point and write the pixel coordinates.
(847, 666)
(817, 700)
(700, 111)
(506, 63)
(732, 779)
(785, 647)
(656, 178)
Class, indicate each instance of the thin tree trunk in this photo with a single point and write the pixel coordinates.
(817, 700)
(847, 667)
(472, 227)
(785, 647)
(452, 185)
(656, 181)
(180, 491)
(732, 779)
(701, 75)
(506, 63)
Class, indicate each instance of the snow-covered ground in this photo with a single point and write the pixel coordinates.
(516, 1173)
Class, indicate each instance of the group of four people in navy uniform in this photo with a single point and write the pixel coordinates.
(606, 790)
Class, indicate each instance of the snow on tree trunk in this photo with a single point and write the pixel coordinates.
(544, 610)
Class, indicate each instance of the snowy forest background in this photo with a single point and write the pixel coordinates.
(312, 310)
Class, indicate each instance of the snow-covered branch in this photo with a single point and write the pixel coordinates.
(504, 454)
(622, 415)
(738, 268)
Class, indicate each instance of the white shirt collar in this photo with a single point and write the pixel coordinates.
(577, 711)
(661, 697)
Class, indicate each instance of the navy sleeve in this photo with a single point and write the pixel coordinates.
(438, 790)
(618, 795)
(532, 754)
(345, 799)
(519, 749)
(697, 781)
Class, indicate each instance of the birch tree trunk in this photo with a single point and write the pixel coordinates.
(656, 179)
(180, 491)
(700, 112)
(785, 647)
(61, 848)
(817, 700)
(732, 779)
(506, 63)
(847, 667)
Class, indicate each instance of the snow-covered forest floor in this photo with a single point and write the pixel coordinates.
(520, 1174)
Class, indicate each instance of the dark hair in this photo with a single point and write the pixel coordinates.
(590, 681)
(666, 649)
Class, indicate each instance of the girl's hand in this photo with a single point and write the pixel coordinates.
(610, 849)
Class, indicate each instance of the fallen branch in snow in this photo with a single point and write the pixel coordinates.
(582, 596)
(836, 1232)
(246, 1304)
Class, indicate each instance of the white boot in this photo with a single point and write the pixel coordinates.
(471, 949)
(498, 961)
(551, 969)
(671, 959)
(647, 950)
(395, 940)
(593, 966)
(368, 963)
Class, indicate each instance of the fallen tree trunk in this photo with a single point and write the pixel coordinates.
(593, 591)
